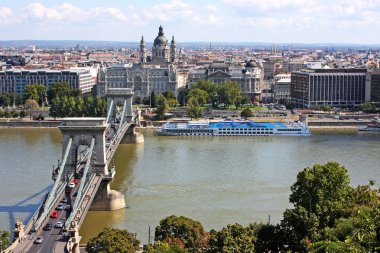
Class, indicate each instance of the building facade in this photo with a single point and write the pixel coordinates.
(332, 87)
(16, 80)
(158, 75)
(373, 78)
(249, 78)
(143, 79)
(282, 89)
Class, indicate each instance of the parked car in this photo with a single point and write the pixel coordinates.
(47, 227)
(54, 214)
(59, 207)
(38, 240)
(59, 224)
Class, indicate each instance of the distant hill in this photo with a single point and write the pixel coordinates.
(67, 44)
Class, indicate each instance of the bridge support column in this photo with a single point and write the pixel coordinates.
(133, 137)
(107, 199)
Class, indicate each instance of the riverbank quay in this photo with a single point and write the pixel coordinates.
(27, 123)
(312, 123)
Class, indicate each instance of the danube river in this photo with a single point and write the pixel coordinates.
(216, 180)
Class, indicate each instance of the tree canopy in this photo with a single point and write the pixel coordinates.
(233, 238)
(112, 240)
(162, 106)
(189, 232)
(35, 92)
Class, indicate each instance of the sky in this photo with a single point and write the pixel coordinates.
(271, 21)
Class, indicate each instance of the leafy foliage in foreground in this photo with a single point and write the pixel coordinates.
(113, 240)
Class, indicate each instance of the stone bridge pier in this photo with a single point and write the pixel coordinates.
(82, 131)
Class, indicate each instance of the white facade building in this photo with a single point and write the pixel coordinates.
(16, 80)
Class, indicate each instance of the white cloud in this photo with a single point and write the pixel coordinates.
(5, 13)
(267, 5)
(169, 11)
(210, 8)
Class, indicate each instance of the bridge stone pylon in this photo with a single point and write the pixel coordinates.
(82, 131)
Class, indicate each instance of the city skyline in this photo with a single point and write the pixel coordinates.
(277, 21)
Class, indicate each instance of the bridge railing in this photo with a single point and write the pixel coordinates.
(81, 185)
(57, 189)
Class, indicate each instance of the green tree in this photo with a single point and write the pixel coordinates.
(58, 89)
(182, 96)
(320, 196)
(270, 238)
(35, 92)
(233, 238)
(159, 247)
(75, 93)
(5, 239)
(113, 240)
(190, 232)
(136, 100)
(368, 107)
(162, 106)
(153, 100)
(246, 112)
(199, 95)
(5, 99)
(229, 93)
(193, 108)
(31, 105)
(55, 108)
(205, 85)
(23, 114)
(79, 107)
(88, 109)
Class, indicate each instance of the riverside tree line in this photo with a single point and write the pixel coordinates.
(328, 215)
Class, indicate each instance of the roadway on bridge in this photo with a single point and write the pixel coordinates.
(50, 238)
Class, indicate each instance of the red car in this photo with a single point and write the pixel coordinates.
(75, 181)
(54, 214)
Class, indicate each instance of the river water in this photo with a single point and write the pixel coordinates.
(216, 180)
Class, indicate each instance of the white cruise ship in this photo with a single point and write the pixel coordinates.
(234, 128)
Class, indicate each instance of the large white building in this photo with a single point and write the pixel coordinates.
(158, 75)
(249, 78)
(14, 81)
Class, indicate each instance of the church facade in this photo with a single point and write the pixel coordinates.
(157, 74)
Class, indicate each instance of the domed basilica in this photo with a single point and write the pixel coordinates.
(161, 53)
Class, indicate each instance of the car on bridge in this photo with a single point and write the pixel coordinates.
(38, 240)
(75, 181)
(59, 224)
(71, 185)
(54, 214)
(59, 207)
(47, 227)
(64, 200)
(68, 208)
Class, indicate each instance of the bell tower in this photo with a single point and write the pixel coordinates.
(142, 53)
(173, 51)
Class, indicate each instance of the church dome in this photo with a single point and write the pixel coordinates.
(160, 40)
(251, 64)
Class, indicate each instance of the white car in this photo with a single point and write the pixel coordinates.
(38, 240)
(59, 224)
(71, 185)
(59, 207)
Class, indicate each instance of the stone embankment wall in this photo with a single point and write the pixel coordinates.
(30, 123)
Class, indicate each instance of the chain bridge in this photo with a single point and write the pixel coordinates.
(82, 178)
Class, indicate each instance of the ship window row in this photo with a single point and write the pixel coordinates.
(289, 130)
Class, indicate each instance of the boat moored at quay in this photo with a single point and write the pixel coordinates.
(374, 126)
(234, 128)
